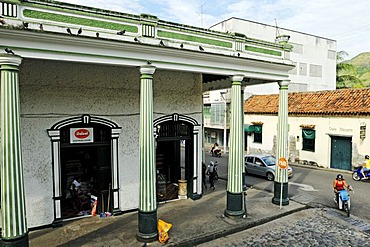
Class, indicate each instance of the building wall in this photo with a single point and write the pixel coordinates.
(325, 128)
(52, 91)
(314, 57)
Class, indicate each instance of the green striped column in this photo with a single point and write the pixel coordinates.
(243, 140)
(148, 202)
(234, 204)
(13, 206)
(281, 176)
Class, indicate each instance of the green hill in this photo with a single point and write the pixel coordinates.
(361, 63)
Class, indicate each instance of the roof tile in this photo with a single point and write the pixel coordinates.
(332, 102)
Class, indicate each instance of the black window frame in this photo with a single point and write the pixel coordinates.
(308, 140)
(257, 135)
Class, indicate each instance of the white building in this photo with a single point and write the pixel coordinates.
(313, 56)
(106, 98)
(327, 128)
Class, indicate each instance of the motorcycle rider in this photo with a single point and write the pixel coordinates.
(365, 166)
(339, 184)
(215, 149)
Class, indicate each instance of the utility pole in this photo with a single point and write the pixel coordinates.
(201, 14)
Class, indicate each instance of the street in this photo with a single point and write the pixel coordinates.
(310, 186)
(321, 225)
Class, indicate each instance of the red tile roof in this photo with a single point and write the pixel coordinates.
(333, 102)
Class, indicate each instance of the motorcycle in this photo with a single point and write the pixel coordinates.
(357, 174)
(344, 200)
(215, 153)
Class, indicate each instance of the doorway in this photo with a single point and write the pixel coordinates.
(174, 159)
(341, 153)
(85, 171)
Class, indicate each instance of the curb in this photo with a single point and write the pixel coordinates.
(225, 232)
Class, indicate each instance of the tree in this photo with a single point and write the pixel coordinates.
(347, 75)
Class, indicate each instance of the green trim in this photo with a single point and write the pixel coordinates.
(146, 76)
(179, 36)
(9, 67)
(11, 1)
(140, 60)
(84, 10)
(262, 50)
(78, 20)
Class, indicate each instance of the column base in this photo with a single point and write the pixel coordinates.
(17, 242)
(117, 211)
(195, 196)
(148, 227)
(234, 205)
(57, 223)
(280, 197)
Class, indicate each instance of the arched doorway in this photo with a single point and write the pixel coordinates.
(85, 166)
(177, 156)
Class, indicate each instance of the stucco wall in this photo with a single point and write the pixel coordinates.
(325, 128)
(52, 91)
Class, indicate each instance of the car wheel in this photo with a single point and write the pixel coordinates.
(270, 176)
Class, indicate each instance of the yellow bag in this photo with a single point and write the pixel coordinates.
(163, 228)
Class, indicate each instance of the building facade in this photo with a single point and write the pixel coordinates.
(314, 57)
(315, 69)
(106, 104)
(326, 128)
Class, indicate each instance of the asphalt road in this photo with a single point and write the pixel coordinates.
(311, 186)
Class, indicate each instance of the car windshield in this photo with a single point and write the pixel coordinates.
(269, 160)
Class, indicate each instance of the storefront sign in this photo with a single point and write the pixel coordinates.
(81, 135)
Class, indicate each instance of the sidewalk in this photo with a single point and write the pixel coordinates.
(194, 222)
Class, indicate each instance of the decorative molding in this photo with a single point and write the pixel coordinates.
(263, 50)
(78, 20)
(193, 38)
(8, 9)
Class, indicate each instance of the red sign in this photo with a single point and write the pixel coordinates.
(82, 133)
(283, 163)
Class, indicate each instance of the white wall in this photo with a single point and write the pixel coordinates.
(324, 126)
(307, 49)
(53, 91)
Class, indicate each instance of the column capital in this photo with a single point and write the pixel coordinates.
(284, 83)
(238, 78)
(147, 69)
(7, 59)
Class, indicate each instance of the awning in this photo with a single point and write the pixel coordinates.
(248, 128)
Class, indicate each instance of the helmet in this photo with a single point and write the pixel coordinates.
(339, 176)
(367, 157)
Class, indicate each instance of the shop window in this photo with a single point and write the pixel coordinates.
(257, 133)
(308, 136)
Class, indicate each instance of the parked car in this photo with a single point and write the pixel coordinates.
(262, 165)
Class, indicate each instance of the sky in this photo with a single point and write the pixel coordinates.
(346, 21)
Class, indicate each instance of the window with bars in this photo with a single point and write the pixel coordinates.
(308, 139)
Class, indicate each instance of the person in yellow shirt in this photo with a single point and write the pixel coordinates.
(365, 166)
